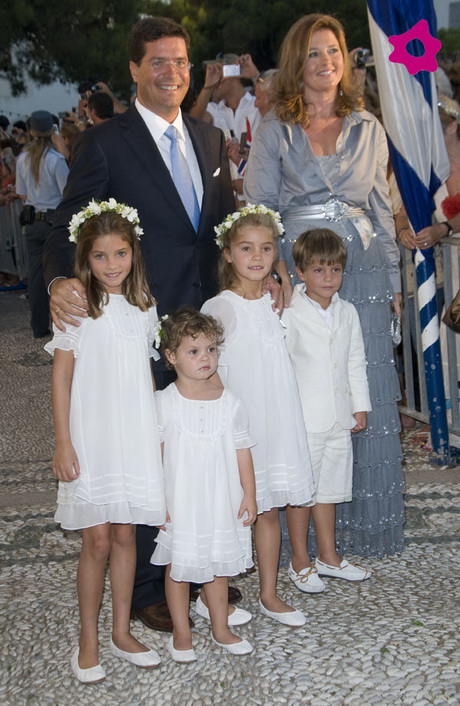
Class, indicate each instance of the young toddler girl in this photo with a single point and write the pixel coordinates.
(209, 483)
(254, 363)
(107, 457)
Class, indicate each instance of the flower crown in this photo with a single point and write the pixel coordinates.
(95, 208)
(158, 332)
(229, 220)
(449, 106)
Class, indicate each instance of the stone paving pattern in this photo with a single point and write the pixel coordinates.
(391, 640)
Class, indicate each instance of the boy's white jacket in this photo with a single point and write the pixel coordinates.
(330, 364)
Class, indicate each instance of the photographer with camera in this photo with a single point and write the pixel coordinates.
(224, 102)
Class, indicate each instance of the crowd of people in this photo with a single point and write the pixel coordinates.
(248, 233)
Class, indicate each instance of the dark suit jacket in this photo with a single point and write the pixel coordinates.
(120, 159)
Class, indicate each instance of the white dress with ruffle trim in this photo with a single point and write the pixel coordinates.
(254, 363)
(204, 537)
(113, 420)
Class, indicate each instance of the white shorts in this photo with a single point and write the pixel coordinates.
(332, 461)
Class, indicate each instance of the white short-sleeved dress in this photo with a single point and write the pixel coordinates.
(255, 365)
(204, 537)
(113, 420)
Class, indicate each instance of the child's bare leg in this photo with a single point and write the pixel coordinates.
(217, 600)
(324, 519)
(178, 598)
(267, 538)
(298, 520)
(122, 570)
(90, 583)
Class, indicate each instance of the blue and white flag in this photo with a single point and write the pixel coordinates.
(409, 107)
(419, 158)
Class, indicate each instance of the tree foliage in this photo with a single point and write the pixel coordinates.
(86, 39)
(73, 40)
(450, 39)
(256, 26)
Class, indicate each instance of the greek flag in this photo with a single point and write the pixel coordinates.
(409, 107)
(419, 158)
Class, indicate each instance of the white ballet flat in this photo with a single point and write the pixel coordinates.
(238, 617)
(146, 660)
(294, 619)
(92, 675)
(181, 656)
(236, 648)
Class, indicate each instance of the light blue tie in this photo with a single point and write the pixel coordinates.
(182, 177)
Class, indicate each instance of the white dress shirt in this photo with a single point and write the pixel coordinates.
(157, 127)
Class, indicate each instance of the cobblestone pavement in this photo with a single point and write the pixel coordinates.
(391, 640)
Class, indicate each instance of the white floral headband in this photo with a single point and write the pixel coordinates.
(449, 106)
(158, 332)
(95, 208)
(229, 220)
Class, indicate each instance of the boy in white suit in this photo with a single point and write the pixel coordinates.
(325, 343)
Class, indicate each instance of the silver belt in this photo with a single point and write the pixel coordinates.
(334, 210)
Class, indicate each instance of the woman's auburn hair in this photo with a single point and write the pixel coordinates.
(287, 86)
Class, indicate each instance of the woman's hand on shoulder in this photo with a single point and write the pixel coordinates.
(67, 299)
(281, 291)
(65, 464)
(270, 284)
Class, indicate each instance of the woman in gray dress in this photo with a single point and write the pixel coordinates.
(321, 160)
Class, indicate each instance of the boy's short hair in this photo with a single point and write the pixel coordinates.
(320, 245)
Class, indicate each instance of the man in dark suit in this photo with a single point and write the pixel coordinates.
(128, 158)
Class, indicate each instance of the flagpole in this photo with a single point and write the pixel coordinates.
(429, 325)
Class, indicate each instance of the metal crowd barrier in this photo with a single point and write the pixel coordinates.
(13, 251)
(411, 363)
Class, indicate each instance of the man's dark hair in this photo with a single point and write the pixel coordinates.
(149, 30)
(102, 104)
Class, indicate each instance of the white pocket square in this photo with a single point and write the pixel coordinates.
(217, 172)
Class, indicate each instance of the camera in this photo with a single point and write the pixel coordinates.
(362, 57)
(230, 70)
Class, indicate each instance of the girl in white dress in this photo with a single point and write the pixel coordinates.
(209, 483)
(107, 457)
(254, 363)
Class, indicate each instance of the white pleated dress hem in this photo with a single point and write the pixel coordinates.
(205, 538)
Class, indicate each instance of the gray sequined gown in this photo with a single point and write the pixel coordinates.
(372, 523)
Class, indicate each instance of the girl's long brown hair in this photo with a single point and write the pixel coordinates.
(287, 86)
(135, 287)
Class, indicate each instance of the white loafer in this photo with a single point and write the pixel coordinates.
(181, 656)
(347, 571)
(306, 580)
(92, 675)
(238, 617)
(236, 648)
(294, 619)
(146, 660)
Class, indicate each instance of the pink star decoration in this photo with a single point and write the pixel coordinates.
(414, 64)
